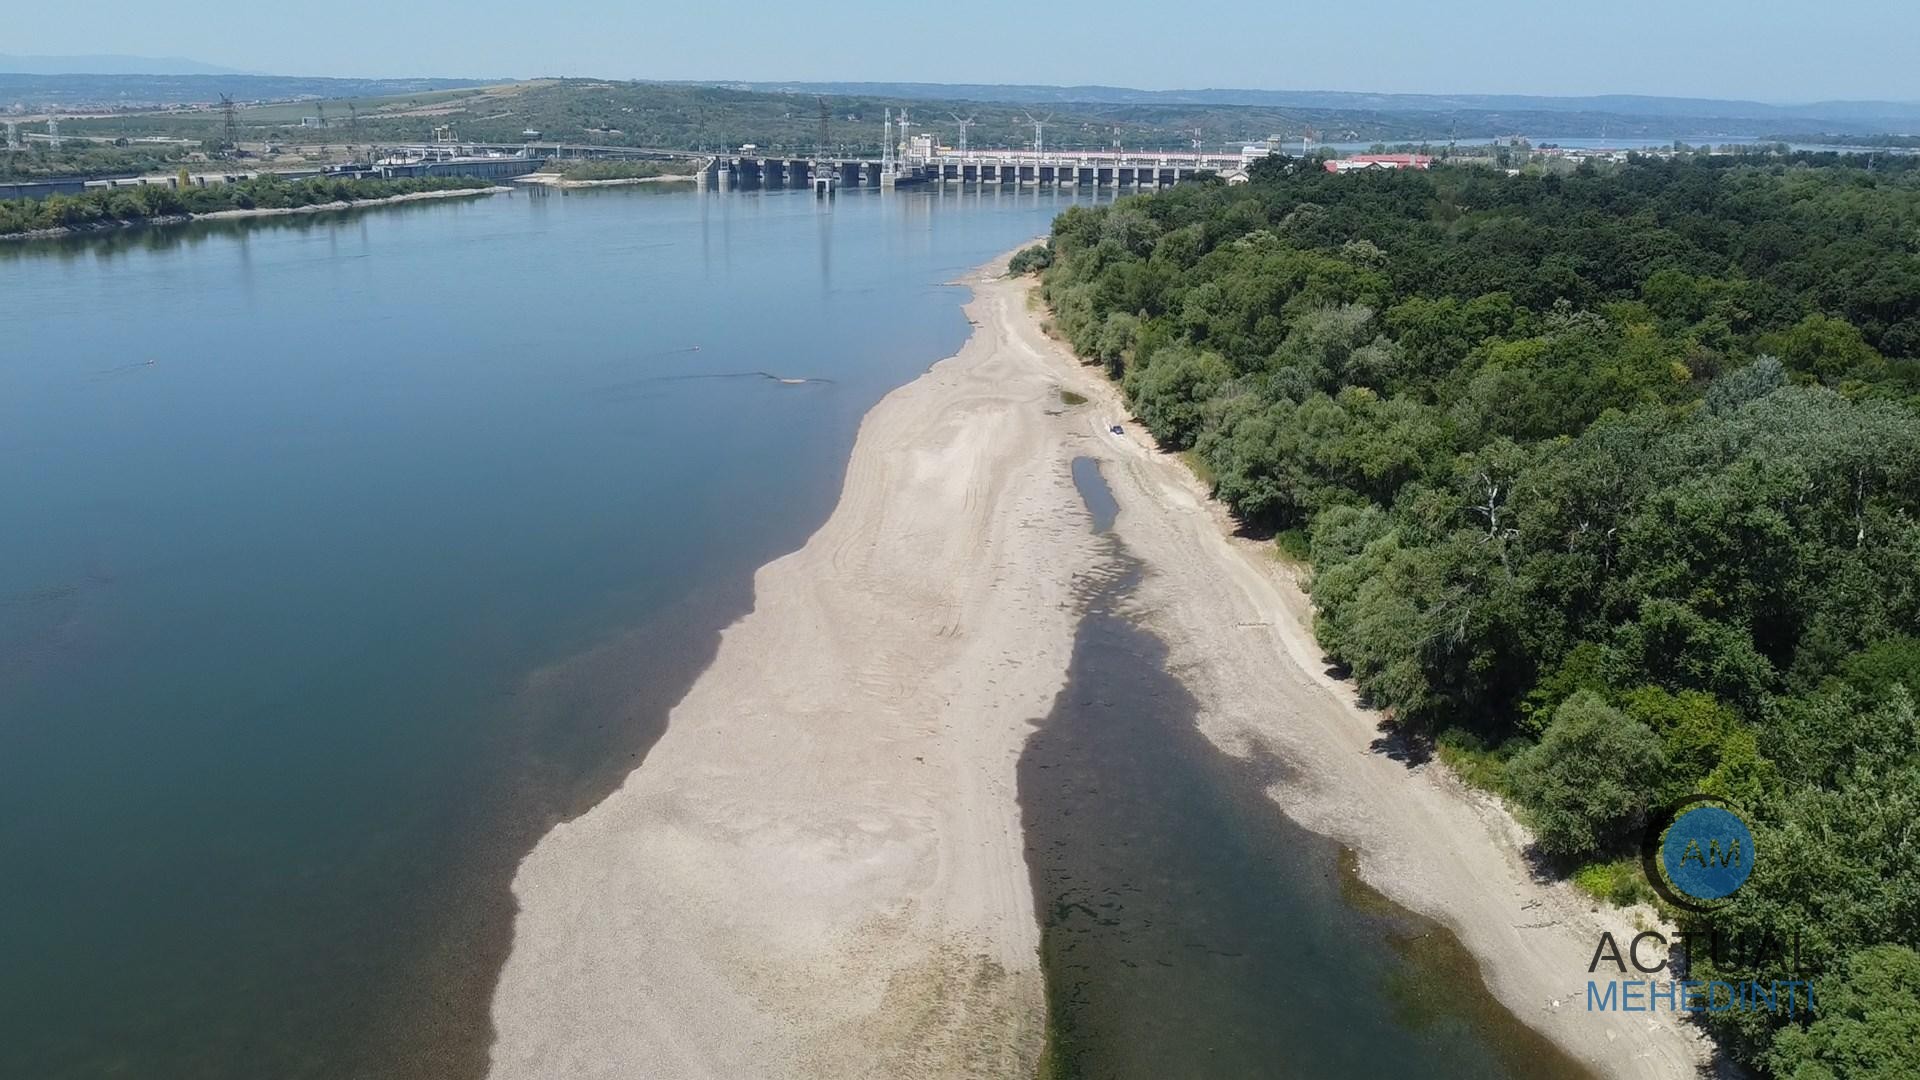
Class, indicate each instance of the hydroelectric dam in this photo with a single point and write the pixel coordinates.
(1120, 169)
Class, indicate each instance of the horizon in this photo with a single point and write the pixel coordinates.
(184, 67)
(1718, 50)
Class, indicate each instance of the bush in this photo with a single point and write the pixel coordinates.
(1031, 260)
(1616, 881)
(1588, 782)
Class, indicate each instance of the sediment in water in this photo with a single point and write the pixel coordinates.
(1188, 927)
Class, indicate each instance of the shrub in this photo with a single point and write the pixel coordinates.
(1031, 260)
(1588, 782)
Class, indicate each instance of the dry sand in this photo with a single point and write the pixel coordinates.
(819, 868)
(819, 872)
(355, 204)
(559, 180)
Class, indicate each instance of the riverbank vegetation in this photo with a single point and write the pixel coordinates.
(133, 205)
(41, 161)
(1610, 485)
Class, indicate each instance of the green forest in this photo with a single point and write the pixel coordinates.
(1609, 486)
(106, 207)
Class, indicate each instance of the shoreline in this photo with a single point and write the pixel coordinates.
(257, 212)
(820, 868)
(559, 180)
(1239, 626)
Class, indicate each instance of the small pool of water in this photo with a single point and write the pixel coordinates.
(1095, 493)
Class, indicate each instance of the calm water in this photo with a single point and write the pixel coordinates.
(1190, 929)
(344, 555)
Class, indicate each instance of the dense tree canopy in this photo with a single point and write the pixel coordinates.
(1615, 473)
(145, 202)
(41, 161)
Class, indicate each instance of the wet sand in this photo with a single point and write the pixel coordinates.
(820, 869)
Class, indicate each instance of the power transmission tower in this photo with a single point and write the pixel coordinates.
(53, 132)
(226, 110)
(322, 109)
(1039, 134)
(964, 125)
(825, 137)
(353, 122)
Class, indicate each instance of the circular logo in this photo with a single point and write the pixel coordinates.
(1698, 852)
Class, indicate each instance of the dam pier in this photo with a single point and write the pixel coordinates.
(1022, 168)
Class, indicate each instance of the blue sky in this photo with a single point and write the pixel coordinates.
(1763, 49)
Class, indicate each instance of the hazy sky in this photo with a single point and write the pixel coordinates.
(1771, 50)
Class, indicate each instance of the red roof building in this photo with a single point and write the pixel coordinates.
(1379, 161)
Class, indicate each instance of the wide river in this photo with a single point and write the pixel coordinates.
(344, 555)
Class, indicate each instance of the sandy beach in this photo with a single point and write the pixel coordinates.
(818, 871)
(559, 181)
(322, 208)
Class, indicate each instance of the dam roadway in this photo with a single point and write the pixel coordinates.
(753, 168)
(1009, 167)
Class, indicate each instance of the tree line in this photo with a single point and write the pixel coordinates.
(135, 204)
(1610, 487)
(43, 161)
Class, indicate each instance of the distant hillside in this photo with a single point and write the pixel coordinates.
(107, 65)
(1873, 116)
(693, 116)
(84, 91)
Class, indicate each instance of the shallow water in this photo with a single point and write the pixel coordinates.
(1095, 493)
(1189, 928)
(346, 553)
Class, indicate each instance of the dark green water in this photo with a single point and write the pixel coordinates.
(1189, 929)
(343, 555)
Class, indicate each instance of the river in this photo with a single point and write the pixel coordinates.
(348, 553)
